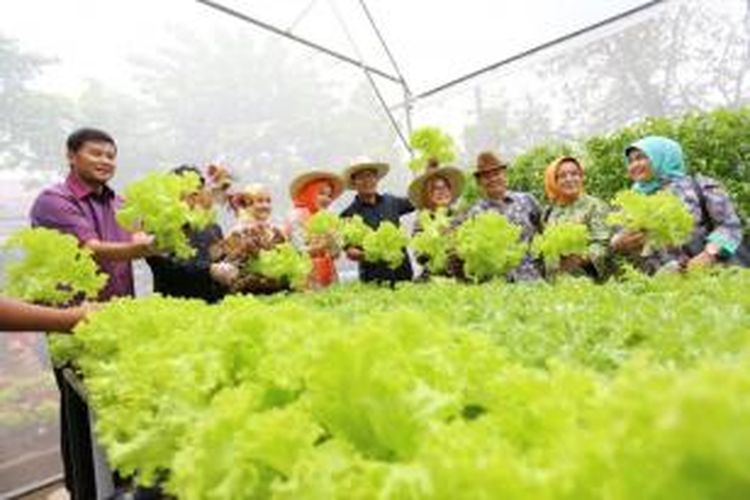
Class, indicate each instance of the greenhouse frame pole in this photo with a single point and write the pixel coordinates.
(373, 84)
(531, 51)
(278, 31)
(404, 84)
(369, 70)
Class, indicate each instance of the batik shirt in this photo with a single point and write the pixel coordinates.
(591, 212)
(523, 210)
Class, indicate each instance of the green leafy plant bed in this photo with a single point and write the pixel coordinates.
(634, 389)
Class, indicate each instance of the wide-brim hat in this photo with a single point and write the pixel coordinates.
(299, 182)
(453, 175)
(357, 166)
(487, 161)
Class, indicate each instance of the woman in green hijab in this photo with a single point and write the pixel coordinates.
(657, 164)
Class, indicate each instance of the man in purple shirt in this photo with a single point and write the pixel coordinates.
(84, 206)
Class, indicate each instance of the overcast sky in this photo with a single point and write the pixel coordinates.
(432, 41)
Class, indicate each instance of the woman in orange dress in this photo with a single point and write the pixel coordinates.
(312, 192)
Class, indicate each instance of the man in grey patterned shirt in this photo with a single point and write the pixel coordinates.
(519, 208)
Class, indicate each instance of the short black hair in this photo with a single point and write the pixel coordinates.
(77, 139)
(184, 169)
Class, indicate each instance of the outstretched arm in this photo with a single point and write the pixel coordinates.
(20, 316)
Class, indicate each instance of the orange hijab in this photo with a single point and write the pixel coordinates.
(324, 269)
(552, 188)
(307, 197)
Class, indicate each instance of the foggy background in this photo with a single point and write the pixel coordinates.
(175, 81)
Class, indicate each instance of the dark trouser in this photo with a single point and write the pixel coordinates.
(75, 442)
(380, 272)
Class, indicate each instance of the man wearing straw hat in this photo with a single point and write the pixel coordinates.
(363, 177)
(519, 208)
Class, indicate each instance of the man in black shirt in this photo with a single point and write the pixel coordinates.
(190, 278)
(375, 208)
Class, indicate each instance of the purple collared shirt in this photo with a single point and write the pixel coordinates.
(74, 208)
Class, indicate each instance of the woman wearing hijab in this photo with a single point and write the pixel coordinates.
(312, 192)
(657, 164)
(253, 233)
(564, 187)
(253, 207)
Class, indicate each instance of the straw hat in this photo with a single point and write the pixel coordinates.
(299, 182)
(361, 164)
(453, 175)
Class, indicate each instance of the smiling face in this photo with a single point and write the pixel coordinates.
(366, 182)
(324, 196)
(570, 179)
(94, 162)
(260, 205)
(493, 182)
(439, 193)
(639, 166)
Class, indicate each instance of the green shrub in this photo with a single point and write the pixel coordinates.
(716, 144)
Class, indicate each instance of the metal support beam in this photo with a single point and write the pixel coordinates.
(532, 51)
(301, 16)
(389, 113)
(303, 41)
(385, 45)
(407, 90)
(370, 79)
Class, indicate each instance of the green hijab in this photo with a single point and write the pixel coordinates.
(667, 162)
